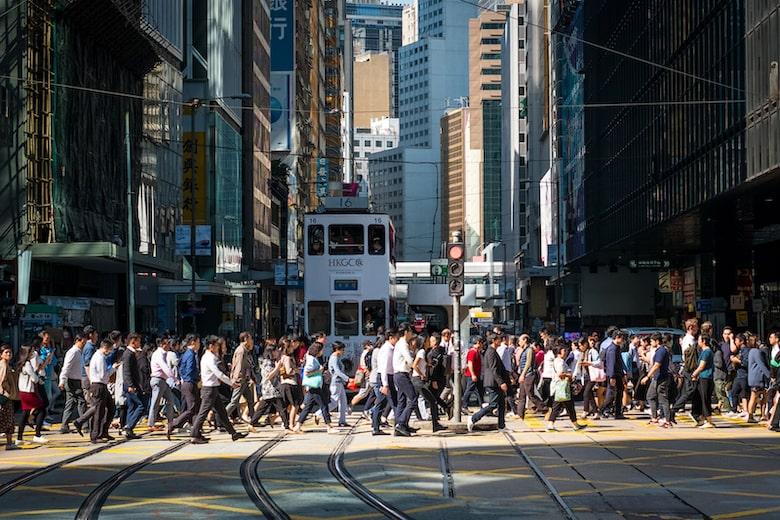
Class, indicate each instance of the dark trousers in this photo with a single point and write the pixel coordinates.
(613, 402)
(705, 388)
(189, 394)
(269, 405)
(421, 387)
(689, 392)
(40, 415)
(472, 388)
(407, 398)
(210, 400)
(102, 409)
(137, 406)
(525, 391)
(559, 406)
(75, 404)
(496, 399)
(589, 397)
(312, 401)
(382, 401)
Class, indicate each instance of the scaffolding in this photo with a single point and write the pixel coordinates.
(38, 144)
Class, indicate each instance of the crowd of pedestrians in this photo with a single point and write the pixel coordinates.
(182, 385)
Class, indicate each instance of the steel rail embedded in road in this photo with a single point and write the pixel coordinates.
(90, 508)
(448, 481)
(254, 487)
(23, 479)
(551, 490)
(338, 470)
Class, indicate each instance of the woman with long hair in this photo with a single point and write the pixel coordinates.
(312, 382)
(9, 392)
(270, 391)
(32, 404)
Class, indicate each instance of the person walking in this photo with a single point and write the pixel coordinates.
(561, 389)
(189, 372)
(758, 380)
(288, 380)
(270, 392)
(496, 384)
(362, 375)
(616, 374)
(32, 404)
(740, 388)
(421, 381)
(703, 375)
(161, 382)
(101, 408)
(136, 398)
(385, 384)
(473, 374)
(9, 392)
(402, 377)
(70, 383)
(527, 377)
(241, 374)
(338, 383)
(210, 378)
(723, 371)
(313, 383)
(437, 362)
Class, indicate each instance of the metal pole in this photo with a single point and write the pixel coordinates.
(130, 246)
(193, 151)
(456, 368)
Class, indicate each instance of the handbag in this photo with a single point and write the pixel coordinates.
(314, 381)
(576, 388)
(360, 376)
(562, 391)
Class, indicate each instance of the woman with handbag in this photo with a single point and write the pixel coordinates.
(8, 394)
(596, 378)
(560, 388)
(312, 382)
(29, 369)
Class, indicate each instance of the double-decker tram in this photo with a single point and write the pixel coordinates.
(347, 264)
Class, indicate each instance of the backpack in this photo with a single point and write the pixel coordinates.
(691, 359)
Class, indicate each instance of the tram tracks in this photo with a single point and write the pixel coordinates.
(253, 485)
(92, 505)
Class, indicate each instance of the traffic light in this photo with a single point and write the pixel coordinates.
(456, 251)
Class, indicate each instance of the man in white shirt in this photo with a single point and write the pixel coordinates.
(101, 409)
(70, 383)
(691, 330)
(210, 378)
(162, 379)
(385, 385)
(402, 378)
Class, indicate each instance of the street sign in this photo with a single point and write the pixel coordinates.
(439, 267)
(649, 264)
(480, 314)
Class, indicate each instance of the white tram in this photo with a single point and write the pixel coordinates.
(347, 264)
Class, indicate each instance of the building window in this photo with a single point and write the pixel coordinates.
(493, 71)
(492, 25)
(316, 240)
(491, 56)
(491, 41)
(491, 86)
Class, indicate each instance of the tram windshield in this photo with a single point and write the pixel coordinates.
(346, 239)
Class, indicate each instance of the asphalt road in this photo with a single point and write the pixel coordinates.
(613, 469)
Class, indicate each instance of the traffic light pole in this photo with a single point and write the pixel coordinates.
(456, 367)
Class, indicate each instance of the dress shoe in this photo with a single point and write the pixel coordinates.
(198, 440)
(379, 432)
(77, 425)
(130, 436)
(238, 435)
(438, 428)
(399, 431)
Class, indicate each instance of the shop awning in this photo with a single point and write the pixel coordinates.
(105, 257)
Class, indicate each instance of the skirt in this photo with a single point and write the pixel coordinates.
(31, 400)
(7, 417)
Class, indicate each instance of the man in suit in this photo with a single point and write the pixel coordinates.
(496, 380)
(616, 376)
(136, 398)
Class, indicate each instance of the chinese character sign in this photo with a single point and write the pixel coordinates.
(282, 35)
(194, 177)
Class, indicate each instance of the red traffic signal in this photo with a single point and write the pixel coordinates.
(455, 251)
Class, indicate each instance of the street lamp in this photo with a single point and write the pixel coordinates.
(194, 104)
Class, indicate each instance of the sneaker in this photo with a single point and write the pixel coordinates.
(596, 417)
(40, 439)
(707, 425)
(577, 426)
(12, 446)
(550, 427)
(752, 420)
(470, 424)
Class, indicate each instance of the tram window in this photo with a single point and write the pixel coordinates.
(346, 239)
(373, 316)
(319, 317)
(316, 240)
(376, 239)
(346, 320)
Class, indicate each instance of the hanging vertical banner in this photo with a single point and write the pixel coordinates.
(194, 177)
(281, 110)
(282, 34)
(322, 177)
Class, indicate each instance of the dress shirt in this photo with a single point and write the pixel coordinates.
(402, 358)
(210, 374)
(160, 366)
(188, 366)
(687, 342)
(385, 363)
(98, 371)
(506, 353)
(72, 366)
